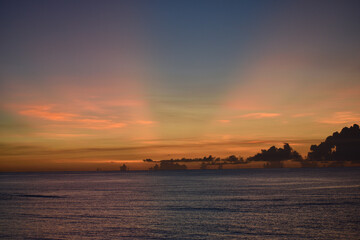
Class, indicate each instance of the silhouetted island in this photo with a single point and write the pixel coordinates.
(343, 146)
(168, 165)
(334, 151)
(275, 156)
(173, 164)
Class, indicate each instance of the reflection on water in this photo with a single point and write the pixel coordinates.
(213, 204)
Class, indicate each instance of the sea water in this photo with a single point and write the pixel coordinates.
(321, 203)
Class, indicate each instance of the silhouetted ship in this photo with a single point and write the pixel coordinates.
(124, 168)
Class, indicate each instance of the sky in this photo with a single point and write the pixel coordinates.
(86, 84)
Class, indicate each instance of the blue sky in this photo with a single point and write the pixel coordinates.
(107, 74)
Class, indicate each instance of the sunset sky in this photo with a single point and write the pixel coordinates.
(86, 84)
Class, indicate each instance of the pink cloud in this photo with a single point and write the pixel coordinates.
(299, 115)
(259, 115)
(45, 113)
(63, 135)
(99, 124)
(223, 121)
(93, 121)
(144, 122)
(79, 121)
(76, 120)
(105, 125)
(341, 118)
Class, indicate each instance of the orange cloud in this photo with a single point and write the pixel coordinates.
(93, 121)
(259, 115)
(341, 118)
(299, 115)
(98, 124)
(223, 121)
(45, 113)
(144, 122)
(79, 121)
(63, 135)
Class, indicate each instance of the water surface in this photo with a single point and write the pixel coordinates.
(211, 204)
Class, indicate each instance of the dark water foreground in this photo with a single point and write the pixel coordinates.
(213, 204)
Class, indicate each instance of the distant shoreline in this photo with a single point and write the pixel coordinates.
(183, 170)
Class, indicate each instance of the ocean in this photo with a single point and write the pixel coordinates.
(308, 203)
